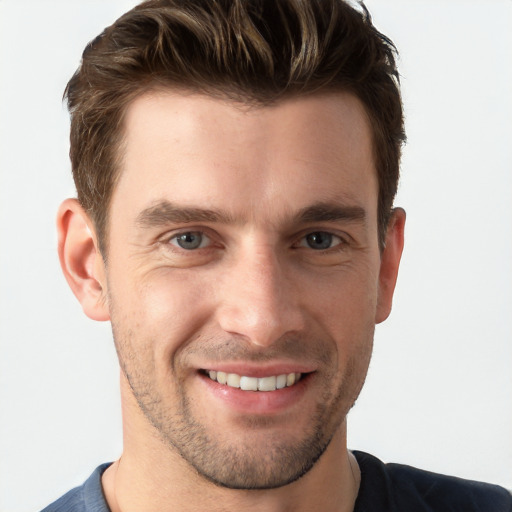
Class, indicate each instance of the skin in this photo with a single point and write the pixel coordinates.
(288, 277)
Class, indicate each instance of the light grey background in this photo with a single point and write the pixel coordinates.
(439, 391)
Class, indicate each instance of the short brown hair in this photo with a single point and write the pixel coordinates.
(247, 50)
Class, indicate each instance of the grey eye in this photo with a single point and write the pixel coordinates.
(320, 240)
(190, 240)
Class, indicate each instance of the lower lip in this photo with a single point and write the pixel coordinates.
(257, 402)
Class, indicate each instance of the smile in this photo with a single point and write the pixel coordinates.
(271, 383)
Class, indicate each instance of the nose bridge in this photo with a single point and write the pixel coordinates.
(257, 298)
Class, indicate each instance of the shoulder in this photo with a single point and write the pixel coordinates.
(404, 488)
(85, 498)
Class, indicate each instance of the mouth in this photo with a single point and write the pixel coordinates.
(257, 390)
(246, 383)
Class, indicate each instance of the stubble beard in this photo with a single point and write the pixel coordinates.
(239, 464)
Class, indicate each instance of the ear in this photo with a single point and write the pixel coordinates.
(80, 259)
(389, 263)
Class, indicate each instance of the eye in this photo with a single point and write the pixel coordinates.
(320, 240)
(190, 240)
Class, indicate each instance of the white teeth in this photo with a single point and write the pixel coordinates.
(267, 384)
(233, 380)
(254, 383)
(249, 383)
(281, 381)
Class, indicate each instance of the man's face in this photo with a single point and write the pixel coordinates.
(243, 252)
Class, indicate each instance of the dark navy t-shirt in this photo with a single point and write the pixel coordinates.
(384, 488)
(399, 488)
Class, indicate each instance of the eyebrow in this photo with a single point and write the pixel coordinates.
(165, 213)
(331, 212)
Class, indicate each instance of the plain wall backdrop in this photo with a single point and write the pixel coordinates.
(439, 390)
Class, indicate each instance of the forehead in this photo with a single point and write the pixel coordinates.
(202, 151)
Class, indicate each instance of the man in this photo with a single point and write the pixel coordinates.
(236, 165)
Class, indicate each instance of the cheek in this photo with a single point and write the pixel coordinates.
(346, 313)
(165, 310)
(346, 301)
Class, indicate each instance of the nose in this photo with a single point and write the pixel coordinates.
(258, 298)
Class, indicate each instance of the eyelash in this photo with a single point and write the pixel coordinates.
(203, 239)
(302, 242)
(338, 241)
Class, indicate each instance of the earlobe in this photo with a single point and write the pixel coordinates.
(80, 259)
(390, 261)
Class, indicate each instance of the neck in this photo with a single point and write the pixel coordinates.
(151, 476)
